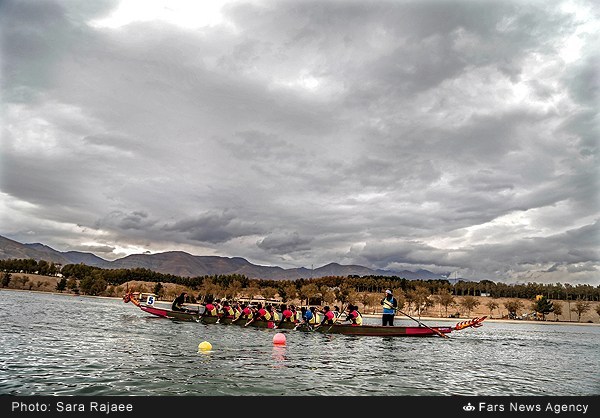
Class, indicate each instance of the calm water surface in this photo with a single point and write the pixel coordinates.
(70, 345)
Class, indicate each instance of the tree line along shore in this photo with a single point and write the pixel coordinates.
(427, 298)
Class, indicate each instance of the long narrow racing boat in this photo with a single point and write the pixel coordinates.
(147, 302)
(196, 313)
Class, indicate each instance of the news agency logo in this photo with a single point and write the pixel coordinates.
(468, 407)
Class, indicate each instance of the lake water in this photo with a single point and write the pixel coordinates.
(71, 345)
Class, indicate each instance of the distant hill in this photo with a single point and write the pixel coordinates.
(14, 249)
(70, 257)
(180, 263)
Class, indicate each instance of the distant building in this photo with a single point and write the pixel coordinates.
(261, 300)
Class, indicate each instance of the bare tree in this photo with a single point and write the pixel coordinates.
(308, 291)
(557, 308)
(268, 292)
(343, 293)
(581, 307)
(290, 291)
(419, 297)
(251, 291)
(234, 289)
(513, 307)
(469, 303)
(327, 295)
(491, 305)
(444, 299)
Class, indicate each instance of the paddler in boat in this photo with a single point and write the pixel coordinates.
(328, 317)
(336, 312)
(275, 316)
(287, 315)
(226, 311)
(298, 315)
(305, 318)
(295, 311)
(353, 315)
(316, 316)
(246, 313)
(210, 309)
(178, 302)
(237, 309)
(261, 314)
(218, 305)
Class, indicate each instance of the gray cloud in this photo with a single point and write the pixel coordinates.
(453, 136)
(284, 243)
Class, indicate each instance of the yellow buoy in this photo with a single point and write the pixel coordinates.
(204, 346)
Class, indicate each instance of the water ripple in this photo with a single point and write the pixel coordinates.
(65, 345)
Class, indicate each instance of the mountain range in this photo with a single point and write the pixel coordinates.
(182, 264)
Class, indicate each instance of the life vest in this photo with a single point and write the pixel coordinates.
(211, 309)
(356, 317)
(263, 313)
(308, 316)
(276, 316)
(329, 316)
(388, 305)
(228, 311)
(287, 315)
(316, 318)
(247, 312)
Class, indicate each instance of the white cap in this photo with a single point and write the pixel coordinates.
(389, 292)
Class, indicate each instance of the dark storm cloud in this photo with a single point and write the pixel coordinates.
(214, 227)
(454, 136)
(284, 243)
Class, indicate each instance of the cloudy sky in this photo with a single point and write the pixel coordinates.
(455, 136)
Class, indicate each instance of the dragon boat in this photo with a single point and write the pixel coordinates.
(196, 313)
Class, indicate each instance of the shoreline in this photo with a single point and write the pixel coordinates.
(496, 320)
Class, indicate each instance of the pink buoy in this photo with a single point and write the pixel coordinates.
(279, 339)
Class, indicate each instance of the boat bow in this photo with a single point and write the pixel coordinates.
(474, 323)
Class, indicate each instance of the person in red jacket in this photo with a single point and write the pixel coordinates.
(287, 315)
(328, 317)
(226, 311)
(353, 315)
(247, 313)
(261, 314)
(210, 309)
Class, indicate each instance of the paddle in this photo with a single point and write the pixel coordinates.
(337, 317)
(201, 315)
(234, 320)
(304, 322)
(318, 324)
(255, 317)
(244, 314)
(422, 324)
